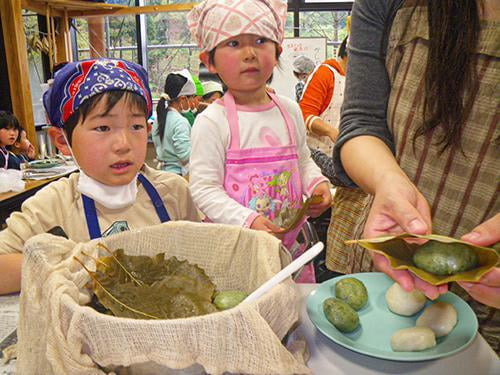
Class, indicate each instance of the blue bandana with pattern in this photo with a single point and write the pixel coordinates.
(75, 82)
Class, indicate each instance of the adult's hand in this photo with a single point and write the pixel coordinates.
(487, 289)
(399, 207)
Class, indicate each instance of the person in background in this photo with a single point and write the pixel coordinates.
(249, 158)
(213, 91)
(9, 133)
(23, 148)
(419, 133)
(322, 99)
(302, 68)
(194, 101)
(171, 135)
(320, 104)
(102, 123)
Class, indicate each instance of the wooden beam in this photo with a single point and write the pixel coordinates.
(60, 5)
(97, 39)
(79, 4)
(82, 9)
(133, 10)
(63, 40)
(40, 8)
(17, 65)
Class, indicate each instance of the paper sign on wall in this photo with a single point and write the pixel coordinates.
(283, 79)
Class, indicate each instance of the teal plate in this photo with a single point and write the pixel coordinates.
(378, 323)
(42, 164)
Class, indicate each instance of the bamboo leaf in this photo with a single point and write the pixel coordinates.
(399, 251)
(290, 217)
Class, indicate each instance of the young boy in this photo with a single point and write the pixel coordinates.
(99, 111)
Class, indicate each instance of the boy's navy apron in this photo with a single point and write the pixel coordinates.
(91, 213)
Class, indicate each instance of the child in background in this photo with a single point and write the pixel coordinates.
(194, 100)
(302, 68)
(9, 133)
(212, 91)
(23, 148)
(98, 110)
(171, 135)
(249, 157)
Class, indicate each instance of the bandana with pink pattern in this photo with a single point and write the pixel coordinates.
(75, 82)
(213, 21)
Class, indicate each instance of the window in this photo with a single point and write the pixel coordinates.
(168, 43)
(35, 64)
(169, 48)
(330, 25)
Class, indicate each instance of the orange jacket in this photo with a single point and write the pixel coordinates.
(319, 91)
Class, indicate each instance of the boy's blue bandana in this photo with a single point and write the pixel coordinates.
(75, 82)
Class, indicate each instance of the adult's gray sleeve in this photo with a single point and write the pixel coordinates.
(364, 111)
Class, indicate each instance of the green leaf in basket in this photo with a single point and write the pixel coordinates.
(143, 287)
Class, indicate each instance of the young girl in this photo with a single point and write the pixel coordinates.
(171, 135)
(249, 159)
(9, 132)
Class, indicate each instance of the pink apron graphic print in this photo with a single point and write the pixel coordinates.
(265, 179)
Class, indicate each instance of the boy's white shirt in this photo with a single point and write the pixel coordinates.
(60, 204)
(210, 138)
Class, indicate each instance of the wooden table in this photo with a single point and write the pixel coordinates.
(329, 358)
(12, 200)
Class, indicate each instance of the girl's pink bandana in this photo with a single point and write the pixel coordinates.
(75, 82)
(213, 21)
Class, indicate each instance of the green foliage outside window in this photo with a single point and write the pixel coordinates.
(169, 44)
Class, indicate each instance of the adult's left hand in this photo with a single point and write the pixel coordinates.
(487, 289)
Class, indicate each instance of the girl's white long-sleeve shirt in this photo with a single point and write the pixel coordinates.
(259, 126)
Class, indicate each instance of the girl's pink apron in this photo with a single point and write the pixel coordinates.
(265, 179)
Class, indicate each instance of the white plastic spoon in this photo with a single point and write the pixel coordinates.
(285, 272)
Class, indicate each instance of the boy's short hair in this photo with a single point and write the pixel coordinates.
(9, 121)
(112, 98)
(77, 82)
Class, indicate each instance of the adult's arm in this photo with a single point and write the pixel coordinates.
(364, 151)
(364, 111)
(315, 99)
(310, 173)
